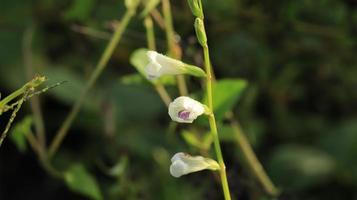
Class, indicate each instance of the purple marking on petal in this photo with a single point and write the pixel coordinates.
(184, 114)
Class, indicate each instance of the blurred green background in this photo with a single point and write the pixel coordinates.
(298, 110)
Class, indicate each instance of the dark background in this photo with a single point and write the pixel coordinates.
(299, 110)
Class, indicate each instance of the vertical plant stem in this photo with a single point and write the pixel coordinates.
(150, 33)
(35, 101)
(171, 42)
(201, 36)
(61, 134)
(213, 126)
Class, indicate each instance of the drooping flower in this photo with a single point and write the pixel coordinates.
(184, 109)
(163, 65)
(182, 164)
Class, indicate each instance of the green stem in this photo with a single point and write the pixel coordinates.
(63, 131)
(150, 33)
(170, 33)
(213, 126)
(12, 117)
(12, 96)
(171, 42)
(212, 121)
(42, 157)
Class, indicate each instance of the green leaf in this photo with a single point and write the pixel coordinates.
(18, 135)
(79, 180)
(226, 93)
(119, 168)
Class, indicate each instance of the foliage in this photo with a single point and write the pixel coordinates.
(297, 103)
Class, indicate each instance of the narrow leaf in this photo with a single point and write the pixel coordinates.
(79, 180)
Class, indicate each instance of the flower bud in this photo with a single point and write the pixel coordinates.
(200, 32)
(162, 65)
(195, 8)
(182, 164)
(184, 109)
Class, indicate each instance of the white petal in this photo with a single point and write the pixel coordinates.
(183, 163)
(183, 103)
(162, 65)
(178, 168)
(170, 66)
(177, 156)
(153, 70)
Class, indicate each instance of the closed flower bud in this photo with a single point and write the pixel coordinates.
(163, 65)
(200, 32)
(182, 164)
(195, 8)
(185, 110)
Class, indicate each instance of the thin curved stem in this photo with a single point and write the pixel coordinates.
(63, 131)
(252, 161)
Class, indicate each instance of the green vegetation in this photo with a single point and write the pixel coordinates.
(283, 84)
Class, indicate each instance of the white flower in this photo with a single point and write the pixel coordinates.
(185, 110)
(162, 65)
(182, 164)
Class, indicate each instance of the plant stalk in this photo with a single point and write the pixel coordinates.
(171, 42)
(213, 126)
(63, 131)
(252, 161)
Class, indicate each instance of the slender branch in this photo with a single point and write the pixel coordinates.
(212, 121)
(174, 50)
(33, 143)
(164, 95)
(12, 96)
(213, 126)
(158, 18)
(12, 117)
(150, 33)
(61, 134)
(91, 32)
(252, 161)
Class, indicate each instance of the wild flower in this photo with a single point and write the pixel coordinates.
(185, 110)
(182, 164)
